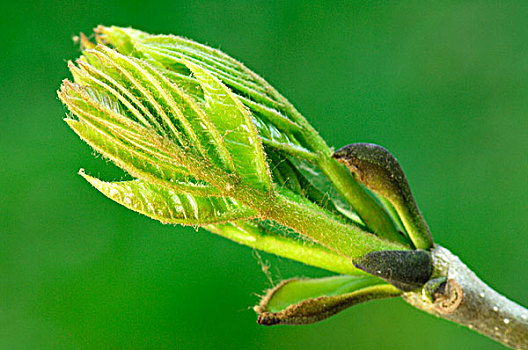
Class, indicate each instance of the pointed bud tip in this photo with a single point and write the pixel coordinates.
(100, 29)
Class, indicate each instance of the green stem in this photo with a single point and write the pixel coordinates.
(308, 219)
(305, 252)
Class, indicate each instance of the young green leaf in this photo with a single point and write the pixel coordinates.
(105, 122)
(168, 206)
(233, 123)
(172, 50)
(142, 162)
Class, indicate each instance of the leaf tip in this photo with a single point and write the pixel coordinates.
(92, 180)
(84, 42)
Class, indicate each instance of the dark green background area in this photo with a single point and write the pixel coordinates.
(443, 84)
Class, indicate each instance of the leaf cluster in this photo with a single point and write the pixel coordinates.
(210, 143)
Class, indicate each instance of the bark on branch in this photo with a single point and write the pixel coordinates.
(468, 301)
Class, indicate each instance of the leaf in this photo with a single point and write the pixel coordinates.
(171, 112)
(271, 126)
(289, 173)
(103, 126)
(172, 49)
(139, 165)
(168, 206)
(273, 115)
(302, 301)
(234, 124)
(279, 139)
(279, 125)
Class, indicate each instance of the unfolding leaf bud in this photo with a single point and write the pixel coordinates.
(377, 169)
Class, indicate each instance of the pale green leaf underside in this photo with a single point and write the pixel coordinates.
(297, 290)
(302, 301)
(168, 206)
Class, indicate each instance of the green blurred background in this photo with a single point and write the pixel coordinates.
(444, 85)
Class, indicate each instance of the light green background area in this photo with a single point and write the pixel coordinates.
(443, 85)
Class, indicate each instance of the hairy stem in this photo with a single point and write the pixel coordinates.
(313, 222)
(273, 243)
(470, 302)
